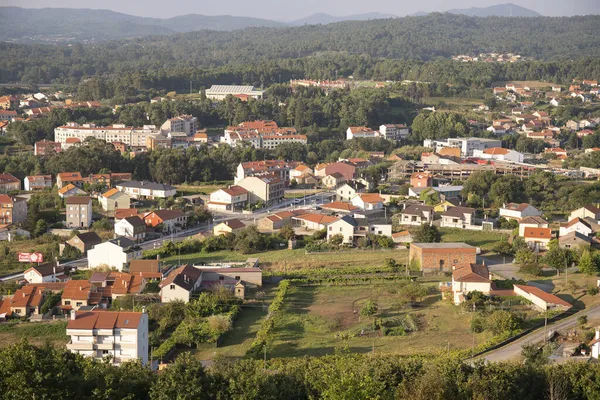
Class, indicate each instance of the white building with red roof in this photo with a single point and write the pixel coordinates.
(519, 211)
(229, 199)
(469, 278)
(123, 336)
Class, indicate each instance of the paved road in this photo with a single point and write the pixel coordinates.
(512, 351)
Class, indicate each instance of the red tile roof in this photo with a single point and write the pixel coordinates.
(547, 297)
(105, 320)
(538, 233)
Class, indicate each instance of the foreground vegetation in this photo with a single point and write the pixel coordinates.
(29, 372)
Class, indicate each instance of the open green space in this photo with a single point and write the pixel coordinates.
(316, 321)
(486, 240)
(37, 333)
(281, 260)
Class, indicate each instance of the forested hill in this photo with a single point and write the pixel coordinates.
(411, 38)
(68, 24)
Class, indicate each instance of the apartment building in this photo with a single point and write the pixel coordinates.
(268, 188)
(394, 131)
(122, 336)
(131, 136)
(46, 146)
(466, 145)
(37, 182)
(117, 252)
(64, 178)
(79, 212)
(232, 198)
(13, 210)
(363, 132)
(252, 168)
(261, 135)
(181, 123)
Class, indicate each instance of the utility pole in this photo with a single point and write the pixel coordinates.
(545, 326)
(473, 344)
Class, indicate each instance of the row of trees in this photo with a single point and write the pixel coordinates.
(59, 374)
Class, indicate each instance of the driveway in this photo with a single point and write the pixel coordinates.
(512, 351)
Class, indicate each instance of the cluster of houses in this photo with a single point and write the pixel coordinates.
(261, 135)
(97, 332)
(490, 58)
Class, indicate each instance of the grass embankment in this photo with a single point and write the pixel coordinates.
(37, 333)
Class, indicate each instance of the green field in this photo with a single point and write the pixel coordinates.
(280, 260)
(484, 240)
(37, 333)
(315, 320)
(201, 188)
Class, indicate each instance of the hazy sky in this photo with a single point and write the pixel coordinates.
(295, 9)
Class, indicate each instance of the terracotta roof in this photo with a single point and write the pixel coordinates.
(592, 208)
(127, 283)
(340, 205)
(78, 200)
(121, 213)
(77, 290)
(400, 234)
(516, 207)
(8, 178)
(317, 218)
(533, 220)
(370, 197)
(547, 297)
(136, 266)
(66, 188)
(89, 320)
(539, 233)
(575, 221)
(235, 190)
(185, 277)
(496, 151)
(471, 273)
(27, 296)
(69, 176)
(234, 223)
(110, 193)
(167, 215)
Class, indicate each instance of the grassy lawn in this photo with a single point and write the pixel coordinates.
(484, 240)
(457, 101)
(202, 188)
(37, 333)
(314, 317)
(280, 260)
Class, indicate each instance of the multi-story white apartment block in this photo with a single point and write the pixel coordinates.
(182, 123)
(355, 132)
(261, 135)
(131, 136)
(251, 168)
(466, 145)
(123, 336)
(394, 131)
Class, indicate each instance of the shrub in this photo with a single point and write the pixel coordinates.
(592, 290)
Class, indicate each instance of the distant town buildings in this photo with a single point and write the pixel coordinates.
(261, 135)
(220, 92)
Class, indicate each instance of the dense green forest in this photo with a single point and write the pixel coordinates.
(46, 373)
(365, 49)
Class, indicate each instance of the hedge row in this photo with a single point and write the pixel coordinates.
(262, 336)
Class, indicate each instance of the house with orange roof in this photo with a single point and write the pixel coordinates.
(341, 207)
(312, 221)
(368, 201)
(70, 190)
(537, 238)
(114, 199)
(121, 213)
(278, 220)
(13, 210)
(121, 335)
(230, 226)
(80, 293)
(541, 299)
(499, 153)
(422, 179)
(64, 178)
(170, 220)
(37, 182)
(228, 199)
(469, 278)
(402, 237)
(361, 132)
(303, 175)
(9, 183)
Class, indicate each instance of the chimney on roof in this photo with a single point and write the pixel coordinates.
(73, 315)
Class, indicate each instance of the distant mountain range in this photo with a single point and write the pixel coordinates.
(499, 10)
(69, 24)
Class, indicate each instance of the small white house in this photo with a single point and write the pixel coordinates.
(43, 273)
(116, 253)
(531, 222)
(499, 153)
(469, 278)
(576, 225)
(131, 227)
(180, 284)
(519, 211)
(368, 201)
